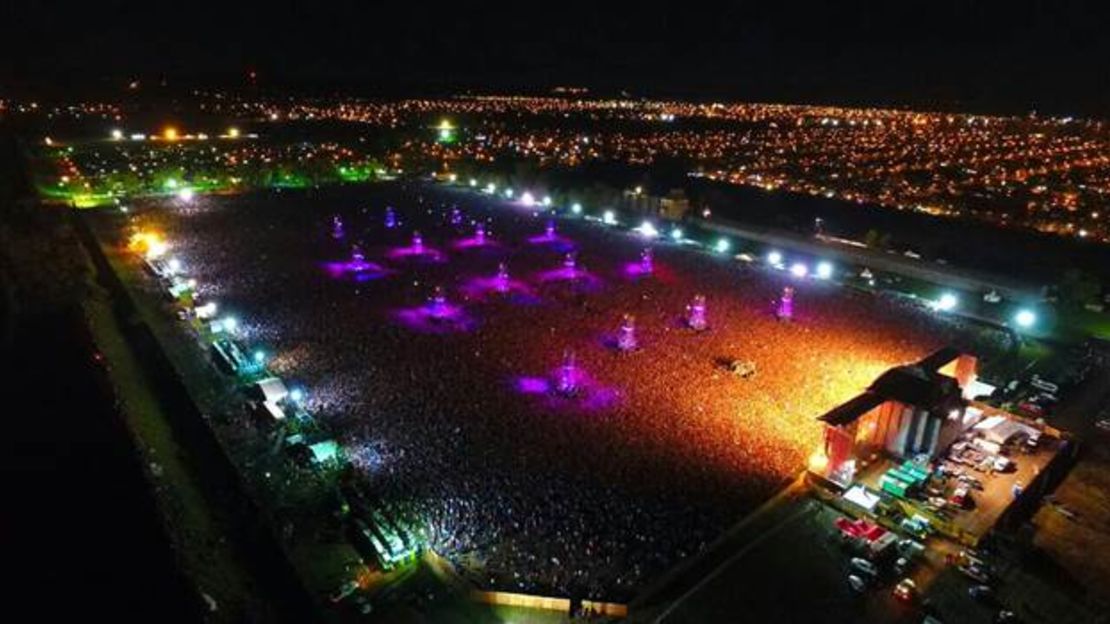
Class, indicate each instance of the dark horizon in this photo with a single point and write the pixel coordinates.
(940, 56)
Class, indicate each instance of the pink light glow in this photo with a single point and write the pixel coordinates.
(695, 314)
(481, 238)
(417, 249)
(785, 308)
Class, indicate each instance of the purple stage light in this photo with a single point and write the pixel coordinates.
(417, 243)
(570, 262)
(785, 308)
(337, 227)
(437, 304)
(456, 216)
(390, 217)
(501, 282)
(626, 335)
(480, 234)
(647, 265)
(533, 385)
(357, 267)
(549, 229)
(695, 314)
(568, 376)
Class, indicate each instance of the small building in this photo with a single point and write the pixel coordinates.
(911, 411)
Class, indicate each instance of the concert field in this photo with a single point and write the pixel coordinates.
(452, 409)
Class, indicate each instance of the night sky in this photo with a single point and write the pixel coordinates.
(971, 55)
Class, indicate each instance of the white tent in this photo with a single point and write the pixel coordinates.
(272, 389)
(1000, 430)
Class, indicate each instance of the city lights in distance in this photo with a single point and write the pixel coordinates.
(609, 217)
(117, 134)
(169, 133)
(676, 234)
(527, 199)
(799, 269)
(722, 245)
(576, 208)
(186, 194)
(824, 270)
(774, 259)
(233, 133)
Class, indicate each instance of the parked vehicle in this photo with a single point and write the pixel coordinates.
(864, 566)
(905, 590)
(910, 549)
(970, 482)
(980, 592)
(975, 572)
(960, 497)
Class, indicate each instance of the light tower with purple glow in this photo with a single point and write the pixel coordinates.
(417, 242)
(647, 262)
(626, 335)
(566, 382)
(570, 261)
(456, 215)
(501, 281)
(480, 234)
(695, 314)
(390, 217)
(337, 227)
(785, 308)
(437, 304)
(549, 229)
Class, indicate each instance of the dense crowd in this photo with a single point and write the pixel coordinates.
(586, 495)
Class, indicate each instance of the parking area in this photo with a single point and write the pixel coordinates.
(966, 496)
(797, 571)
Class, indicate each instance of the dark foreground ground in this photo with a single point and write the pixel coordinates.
(81, 534)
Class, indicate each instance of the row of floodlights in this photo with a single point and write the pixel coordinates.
(823, 270)
(1024, 318)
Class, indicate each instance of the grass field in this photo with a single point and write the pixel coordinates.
(198, 536)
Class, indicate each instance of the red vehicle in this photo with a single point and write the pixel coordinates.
(860, 528)
(1031, 408)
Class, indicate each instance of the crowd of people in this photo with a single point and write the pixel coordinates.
(542, 492)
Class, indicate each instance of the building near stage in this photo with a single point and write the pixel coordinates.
(917, 452)
(913, 411)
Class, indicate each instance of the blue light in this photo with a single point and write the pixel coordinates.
(1025, 318)
(947, 302)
